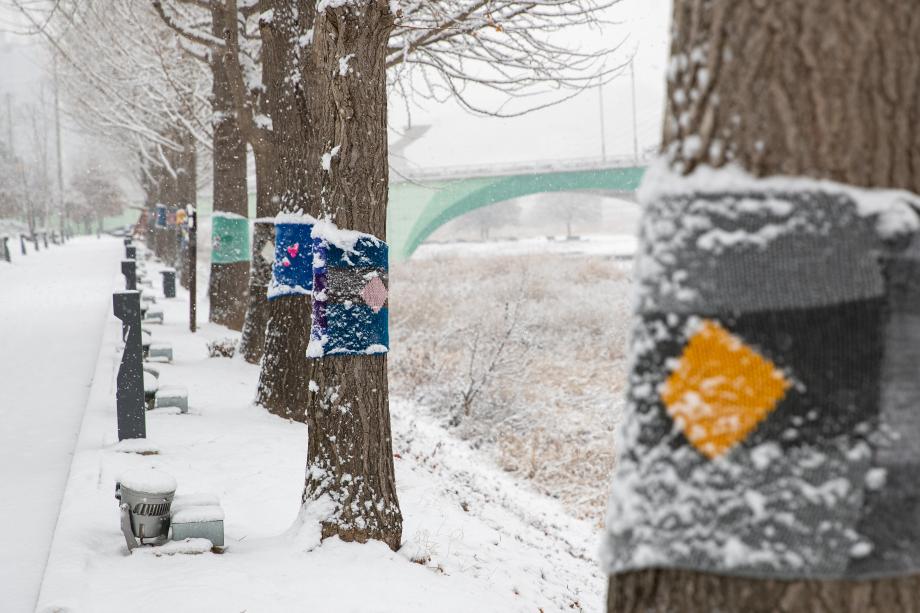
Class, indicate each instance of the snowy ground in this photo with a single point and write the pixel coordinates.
(53, 306)
(617, 245)
(475, 539)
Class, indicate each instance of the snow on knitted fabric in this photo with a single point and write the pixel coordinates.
(292, 269)
(771, 425)
(350, 293)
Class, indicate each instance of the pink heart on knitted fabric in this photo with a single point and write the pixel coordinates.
(293, 250)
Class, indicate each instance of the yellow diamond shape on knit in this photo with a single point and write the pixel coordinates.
(720, 390)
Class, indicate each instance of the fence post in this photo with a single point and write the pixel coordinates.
(6, 249)
(22, 244)
(45, 239)
(192, 268)
(129, 395)
(129, 270)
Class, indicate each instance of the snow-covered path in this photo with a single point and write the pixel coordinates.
(53, 305)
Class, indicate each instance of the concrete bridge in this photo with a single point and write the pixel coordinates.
(422, 201)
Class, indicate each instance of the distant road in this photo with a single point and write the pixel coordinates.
(53, 305)
(618, 246)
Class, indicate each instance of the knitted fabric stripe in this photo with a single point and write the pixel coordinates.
(769, 371)
(349, 299)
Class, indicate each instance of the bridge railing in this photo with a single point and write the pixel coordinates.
(433, 173)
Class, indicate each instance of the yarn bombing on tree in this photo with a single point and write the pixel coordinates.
(229, 238)
(292, 268)
(771, 415)
(350, 293)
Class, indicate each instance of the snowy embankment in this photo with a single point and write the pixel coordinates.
(53, 306)
(474, 538)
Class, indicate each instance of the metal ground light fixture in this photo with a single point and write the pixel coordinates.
(145, 497)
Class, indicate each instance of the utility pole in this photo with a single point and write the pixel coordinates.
(600, 99)
(57, 132)
(632, 79)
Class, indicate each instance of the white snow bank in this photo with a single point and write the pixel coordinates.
(136, 445)
(474, 539)
(190, 546)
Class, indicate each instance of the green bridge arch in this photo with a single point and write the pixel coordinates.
(417, 209)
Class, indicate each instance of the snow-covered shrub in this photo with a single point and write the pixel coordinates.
(222, 348)
(522, 355)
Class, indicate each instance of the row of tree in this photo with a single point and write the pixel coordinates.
(28, 192)
(296, 81)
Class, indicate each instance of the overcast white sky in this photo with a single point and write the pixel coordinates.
(569, 130)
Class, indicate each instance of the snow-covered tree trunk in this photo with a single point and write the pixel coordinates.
(336, 100)
(276, 91)
(229, 282)
(823, 89)
(289, 74)
(252, 342)
(350, 448)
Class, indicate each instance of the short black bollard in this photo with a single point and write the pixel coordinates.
(6, 249)
(129, 270)
(129, 394)
(169, 282)
(22, 244)
(45, 239)
(130, 252)
(34, 240)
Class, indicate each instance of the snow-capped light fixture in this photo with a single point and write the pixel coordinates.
(145, 498)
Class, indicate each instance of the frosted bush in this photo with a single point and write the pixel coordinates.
(524, 356)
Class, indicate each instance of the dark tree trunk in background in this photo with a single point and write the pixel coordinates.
(819, 88)
(350, 446)
(283, 376)
(188, 195)
(229, 282)
(167, 193)
(276, 90)
(252, 342)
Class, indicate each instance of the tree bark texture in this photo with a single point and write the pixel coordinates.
(820, 88)
(187, 192)
(826, 89)
(682, 591)
(252, 342)
(350, 443)
(283, 375)
(229, 282)
(350, 463)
